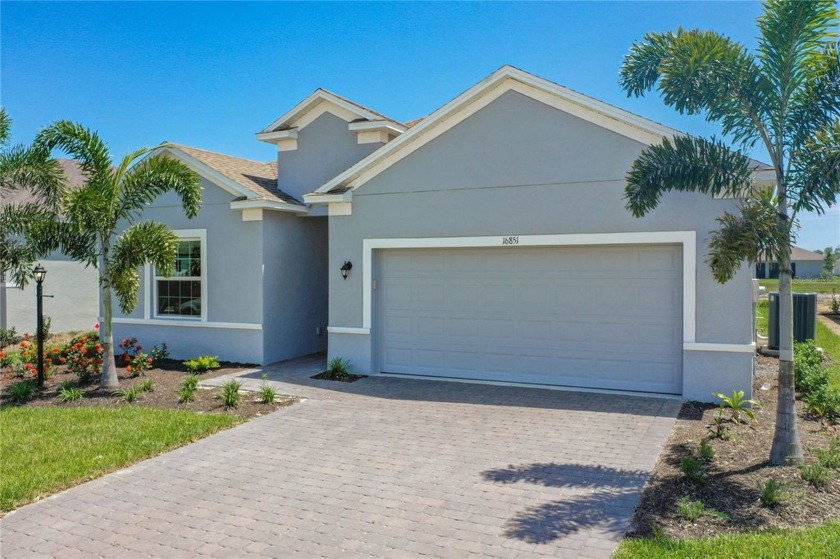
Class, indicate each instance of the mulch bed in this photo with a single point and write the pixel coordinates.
(345, 377)
(739, 467)
(167, 381)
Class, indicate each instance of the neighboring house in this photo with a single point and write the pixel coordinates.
(803, 263)
(487, 242)
(71, 287)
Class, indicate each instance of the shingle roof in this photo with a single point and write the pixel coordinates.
(256, 176)
(800, 254)
(72, 172)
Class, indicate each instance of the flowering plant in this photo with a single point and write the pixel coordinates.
(135, 360)
(84, 357)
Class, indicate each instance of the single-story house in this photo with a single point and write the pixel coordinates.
(485, 242)
(72, 289)
(803, 263)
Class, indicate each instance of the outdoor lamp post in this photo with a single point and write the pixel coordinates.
(40, 274)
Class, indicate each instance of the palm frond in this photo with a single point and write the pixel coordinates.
(32, 169)
(753, 234)
(814, 180)
(148, 242)
(86, 147)
(701, 72)
(155, 176)
(685, 164)
(792, 33)
(5, 126)
(16, 260)
(817, 103)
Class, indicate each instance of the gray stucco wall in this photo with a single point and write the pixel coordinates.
(325, 148)
(234, 283)
(808, 269)
(295, 285)
(73, 305)
(519, 167)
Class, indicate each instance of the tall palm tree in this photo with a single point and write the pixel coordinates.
(111, 197)
(29, 169)
(785, 96)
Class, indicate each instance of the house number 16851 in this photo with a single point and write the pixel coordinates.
(510, 240)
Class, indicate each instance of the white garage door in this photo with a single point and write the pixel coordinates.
(598, 317)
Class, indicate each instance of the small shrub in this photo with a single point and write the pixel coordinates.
(824, 403)
(147, 385)
(706, 452)
(159, 353)
(830, 457)
(267, 394)
(21, 392)
(47, 326)
(230, 395)
(815, 474)
(690, 510)
(692, 470)
(809, 370)
(136, 362)
(771, 492)
(84, 356)
(202, 364)
(834, 304)
(69, 393)
(8, 337)
(129, 394)
(719, 428)
(338, 367)
(736, 404)
(188, 387)
(694, 510)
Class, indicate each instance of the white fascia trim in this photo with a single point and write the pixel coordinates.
(268, 205)
(276, 136)
(342, 198)
(624, 122)
(377, 125)
(313, 101)
(210, 174)
(183, 323)
(688, 240)
(348, 330)
(728, 348)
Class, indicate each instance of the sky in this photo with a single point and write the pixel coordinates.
(212, 74)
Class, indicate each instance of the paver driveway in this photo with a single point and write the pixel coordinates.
(382, 467)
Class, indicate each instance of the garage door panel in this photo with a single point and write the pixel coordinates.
(601, 317)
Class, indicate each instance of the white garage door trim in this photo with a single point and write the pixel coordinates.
(687, 239)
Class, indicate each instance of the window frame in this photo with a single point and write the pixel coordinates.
(199, 235)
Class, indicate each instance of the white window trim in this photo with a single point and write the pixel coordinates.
(150, 312)
(687, 239)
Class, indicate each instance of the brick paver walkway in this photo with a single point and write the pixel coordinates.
(383, 467)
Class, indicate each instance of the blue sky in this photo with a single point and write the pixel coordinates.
(213, 74)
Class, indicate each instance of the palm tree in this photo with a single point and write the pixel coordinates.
(112, 197)
(29, 169)
(785, 96)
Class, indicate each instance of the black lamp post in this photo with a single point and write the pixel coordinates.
(40, 274)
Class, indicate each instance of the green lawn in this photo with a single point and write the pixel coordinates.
(45, 450)
(823, 541)
(804, 285)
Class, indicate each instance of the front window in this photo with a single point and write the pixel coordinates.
(180, 294)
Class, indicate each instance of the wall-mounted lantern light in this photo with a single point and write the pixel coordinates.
(345, 269)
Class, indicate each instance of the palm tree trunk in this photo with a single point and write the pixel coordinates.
(109, 366)
(787, 448)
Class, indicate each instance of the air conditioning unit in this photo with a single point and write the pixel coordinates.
(804, 318)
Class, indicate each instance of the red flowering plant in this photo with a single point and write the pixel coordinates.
(83, 356)
(136, 362)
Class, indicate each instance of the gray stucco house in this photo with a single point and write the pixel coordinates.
(485, 242)
(805, 264)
